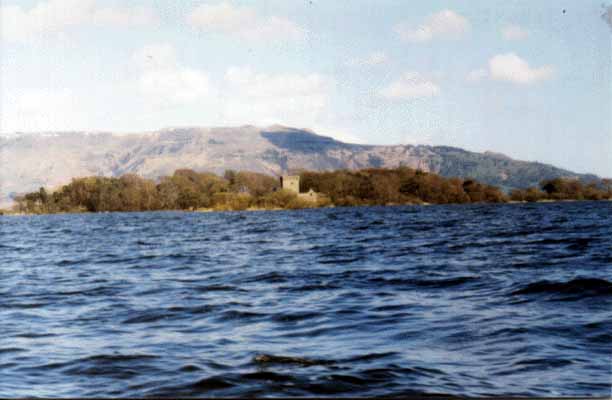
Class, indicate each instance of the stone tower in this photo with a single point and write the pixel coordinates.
(290, 182)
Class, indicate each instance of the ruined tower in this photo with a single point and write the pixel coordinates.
(290, 182)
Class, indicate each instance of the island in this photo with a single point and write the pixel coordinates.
(189, 190)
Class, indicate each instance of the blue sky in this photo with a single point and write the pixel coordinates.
(528, 79)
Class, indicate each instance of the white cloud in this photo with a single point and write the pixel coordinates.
(32, 110)
(155, 56)
(292, 99)
(444, 24)
(410, 86)
(137, 16)
(514, 32)
(175, 86)
(241, 96)
(371, 60)
(164, 81)
(243, 22)
(55, 16)
(511, 68)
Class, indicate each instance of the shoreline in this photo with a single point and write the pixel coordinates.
(5, 213)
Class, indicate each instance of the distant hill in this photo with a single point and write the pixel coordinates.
(30, 161)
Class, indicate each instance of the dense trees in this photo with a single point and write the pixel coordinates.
(184, 190)
(397, 186)
(565, 189)
(530, 194)
(240, 190)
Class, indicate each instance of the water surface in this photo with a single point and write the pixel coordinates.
(464, 300)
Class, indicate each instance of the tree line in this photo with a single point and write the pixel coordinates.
(184, 190)
(403, 185)
(565, 189)
(240, 190)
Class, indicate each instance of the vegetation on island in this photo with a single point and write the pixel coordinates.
(184, 190)
(397, 186)
(565, 189)
(190, 190)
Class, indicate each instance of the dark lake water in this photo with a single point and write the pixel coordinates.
(463, 300)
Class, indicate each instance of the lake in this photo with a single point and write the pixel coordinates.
(511, 299)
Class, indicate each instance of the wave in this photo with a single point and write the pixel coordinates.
(4, 350)
(273, 359)
(114, 358)
(370, 357)
(212, 383)
(582, 287)
(295, 317)
(218, 288)
(147, 318)
(270, 277)
(402, 305)
(239, 315)
(249, 384)
(24, 305)
(311, 287)
(116, 365)
(425, 283)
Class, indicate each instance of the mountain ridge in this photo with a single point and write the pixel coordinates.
(51, 159)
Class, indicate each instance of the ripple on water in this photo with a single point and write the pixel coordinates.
(462, 300)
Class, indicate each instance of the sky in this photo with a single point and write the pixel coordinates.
(530, 79)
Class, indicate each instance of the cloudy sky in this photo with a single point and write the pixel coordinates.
(529, 79)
